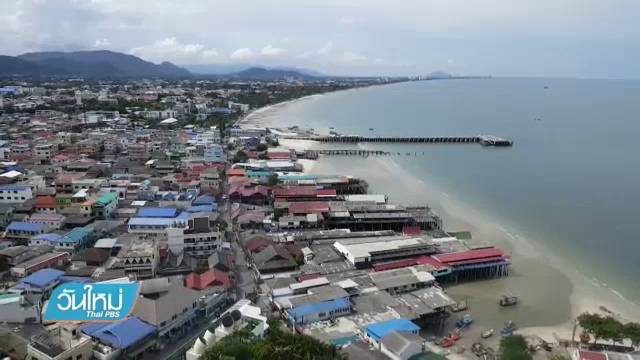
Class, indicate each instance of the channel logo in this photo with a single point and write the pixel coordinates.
(91, 302)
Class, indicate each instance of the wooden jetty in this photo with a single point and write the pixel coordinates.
(350, 152)
(485, 140)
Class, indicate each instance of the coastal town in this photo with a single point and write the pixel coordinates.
(231, 232)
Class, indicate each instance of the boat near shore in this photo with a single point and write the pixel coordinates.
(508, 300)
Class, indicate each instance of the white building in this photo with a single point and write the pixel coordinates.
(61, 343)
(14, 194)
(198, 239)
(242, 315)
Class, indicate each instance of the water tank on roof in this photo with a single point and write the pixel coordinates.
(227, 321)
(236, 315)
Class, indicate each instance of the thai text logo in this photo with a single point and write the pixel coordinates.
(91, 302)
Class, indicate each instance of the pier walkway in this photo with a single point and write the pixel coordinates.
(485, 140)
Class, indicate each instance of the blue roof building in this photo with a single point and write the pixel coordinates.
(155, 212)
(40, 281)
(24, 230)
(201, 208)
(309, 313)
(203, 200)
(379, 330)
(46, 239)
(121, 335)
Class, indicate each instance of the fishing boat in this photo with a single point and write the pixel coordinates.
(508, 329)
(487, 333)
(508, 300)
(460, 306)
(464, 322)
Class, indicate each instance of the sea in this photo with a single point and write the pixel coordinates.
(568, 188)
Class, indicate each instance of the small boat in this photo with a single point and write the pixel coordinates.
(370, 129)
(508, 300)
(459, 306)
(508, 329)
(466, 321)
(487, 333)
(446, 342)
(546, 87)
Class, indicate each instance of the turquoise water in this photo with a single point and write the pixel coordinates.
(570, 181)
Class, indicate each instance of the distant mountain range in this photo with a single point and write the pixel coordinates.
(230, 69)
(92, 64)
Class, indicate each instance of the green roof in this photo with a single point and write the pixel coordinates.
(106, 199)
(76, 236)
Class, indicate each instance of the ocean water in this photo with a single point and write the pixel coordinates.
(570, 182)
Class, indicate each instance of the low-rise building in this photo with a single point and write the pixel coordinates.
(140, 260)
(15, 193)
(199, 239)
(62, 342)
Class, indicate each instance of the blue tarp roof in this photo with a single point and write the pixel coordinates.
(147, 221)
(157, 212)
(379, 330)
(42, 278)
(47, 237)
(203, 200)
(201, 208)
(122, 334)
(325, 307)
(25, 226)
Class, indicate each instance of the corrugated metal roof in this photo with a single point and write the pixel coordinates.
(76, 235)
(152, 221)
(42, 277)
(24, 226)
(379, 330)
(156, 212)
(325, 307)
(469, 255)
(106, 199)
(122, 334)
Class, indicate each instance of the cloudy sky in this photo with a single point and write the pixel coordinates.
(558, 38)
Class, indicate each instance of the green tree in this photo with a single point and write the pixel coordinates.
(277, 344)
(240, 157)
(273, 180)
(514, 348)
(558, 357)
(632, 332)
(261, 147)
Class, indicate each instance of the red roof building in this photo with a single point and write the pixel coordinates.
(394, 265)
(279, 155)
(257, 244)
(44, 203)
(471, 257)
(209, 278)
(590, 355)
(308, 207)
(302, 193)
(236, 172)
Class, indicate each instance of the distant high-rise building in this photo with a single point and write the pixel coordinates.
(78, 98)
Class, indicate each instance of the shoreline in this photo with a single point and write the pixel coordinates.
(533, 263)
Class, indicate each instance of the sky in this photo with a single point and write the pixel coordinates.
(540, 38)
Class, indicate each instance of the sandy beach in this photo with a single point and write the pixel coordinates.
(552, 292)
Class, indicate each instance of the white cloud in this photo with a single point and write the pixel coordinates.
(242, 54)
(353, 57)
(209, 53)
(101, 44)
(272, 51)
(346, 20)
(328, 46)
(170, 49)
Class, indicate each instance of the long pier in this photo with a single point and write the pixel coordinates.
(485, 140)
(350, 152)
